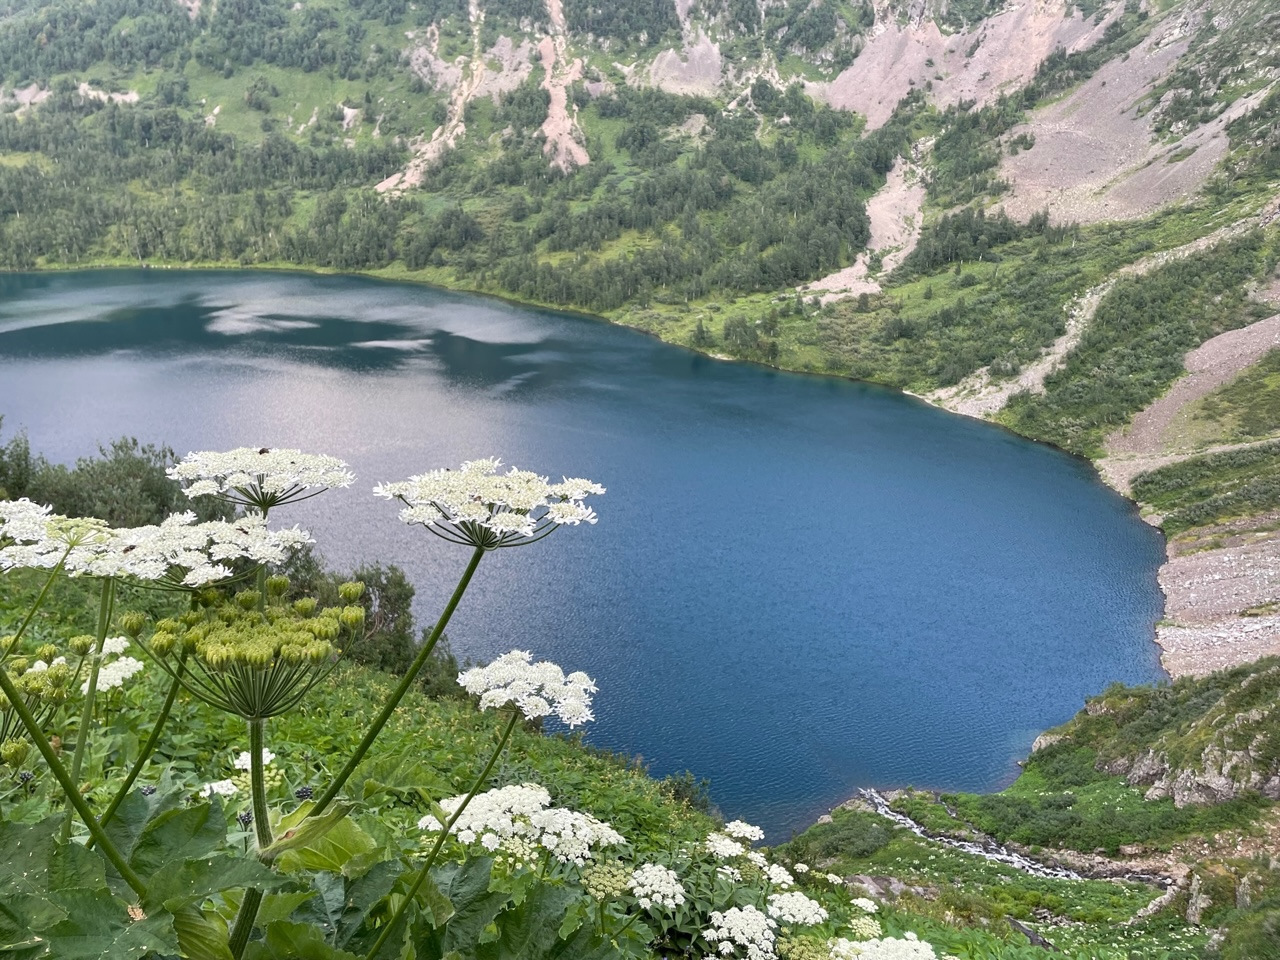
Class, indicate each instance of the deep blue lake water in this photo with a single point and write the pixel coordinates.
(797, 586)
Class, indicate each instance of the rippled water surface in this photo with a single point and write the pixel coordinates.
(797, 586)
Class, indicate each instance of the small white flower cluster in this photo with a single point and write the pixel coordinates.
(732, 874)
(245, 760)
(656, 886)
(801, 868)
(570, 835)
(223, 788)
(796, 908)
(864, 928)
(779, 876)
(743, 927)
(41, 665)
(114, 646)
(741, 830)
(480, 507)
(757, 859)
(247, 473)
(23, 521)
(719, 845)
(536, 689)
(493, 817)
(866, 905)
(832, 878)
(910, 947)
(115, 673)
(176, 550)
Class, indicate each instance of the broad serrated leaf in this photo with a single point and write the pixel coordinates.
(178, 835)
(98, 925)
(182, 882)
(281, 906)
(286, 940)
(475, 906)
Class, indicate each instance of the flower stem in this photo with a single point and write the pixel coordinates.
(147, 748)
(243, 926)
(248, 912)
(258, 783)
(444, 833)
(406, 681)
(105, 603)
(18, 704)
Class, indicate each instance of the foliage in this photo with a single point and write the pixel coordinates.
(1133, 349)
(1213, 487)
(1248, 408)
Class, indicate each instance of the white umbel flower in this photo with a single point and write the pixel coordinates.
(245, 760)
(114, 646)
(742, 927)
(115, 673)
(180, 551)
(261, 478)
(223, 788)
(864, 928)
(909, 947)
(654, 885)
(571, 836)
(23, 521)
(536, 689)
(741, 830)
(779, 876)
(865, 904)
(718, 845)
(33, 537)
(500, 813)
(480, 507)
(796, 908)
(523, 811)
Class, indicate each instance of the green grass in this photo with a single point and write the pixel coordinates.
(1213, 487)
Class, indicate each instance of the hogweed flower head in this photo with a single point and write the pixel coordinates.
(536, 689)
(654, 885)
(864, 928)
(606, 881)
(479, 507)
(865, 904)
(909, 947)
(259, 478)
(523, 811)
(742, 927)
(796, 908)
(32, 536)
(725, 848)
(741, 830)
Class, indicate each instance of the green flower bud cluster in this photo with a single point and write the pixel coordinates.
(49, 686)
(14, 753)
(272, 778)
(802, 948)
(238, 635)
(351, 591)
(81, 645)
(251, 660)
(606, 881)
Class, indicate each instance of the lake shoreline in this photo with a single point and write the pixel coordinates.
(1176, 592)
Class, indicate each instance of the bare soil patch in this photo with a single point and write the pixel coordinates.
(896, 218)
(996, 55)
(697, 69)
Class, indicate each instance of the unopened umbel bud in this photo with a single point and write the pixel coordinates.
(277, 586)
(47, 653)
(132, 623)
(351, 591)
(81, 645)
(352, 617)
(305, 607)
(14, 752)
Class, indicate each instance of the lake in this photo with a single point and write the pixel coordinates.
(798, 585)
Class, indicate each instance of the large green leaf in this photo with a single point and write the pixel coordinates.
(340, 847)
(178, 835)
(286, 940)
(98, 925)
(466, 886)
(202, 934)
(182, 882)
(134, 813)
(35, 871)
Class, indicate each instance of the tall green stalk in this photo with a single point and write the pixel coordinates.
(242, 928)
(69, 786)
(31, 614)
(402, 688)
(444, 833)
(149, 747)
(105, 603)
